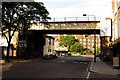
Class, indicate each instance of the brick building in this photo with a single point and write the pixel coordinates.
(86, 40)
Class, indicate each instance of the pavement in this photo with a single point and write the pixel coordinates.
(6, 65)
(103, 68)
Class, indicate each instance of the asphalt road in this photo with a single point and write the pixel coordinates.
(64, 67)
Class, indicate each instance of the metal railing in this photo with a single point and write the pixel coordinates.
(85, 18)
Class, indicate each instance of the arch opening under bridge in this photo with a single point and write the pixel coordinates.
(37, 34)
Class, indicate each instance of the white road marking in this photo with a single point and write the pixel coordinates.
(88, 66)
(88, 75)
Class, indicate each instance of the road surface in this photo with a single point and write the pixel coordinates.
(62, 67)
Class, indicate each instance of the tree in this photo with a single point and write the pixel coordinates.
(76, 47)
(15, 14)
(67, 41)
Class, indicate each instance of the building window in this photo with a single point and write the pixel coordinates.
(80, 39)
(84, 39)
(49, 41)
(96, 40)
(49, 50)
(84, 43)
(92, 44)
(89, 40)
(92, 40)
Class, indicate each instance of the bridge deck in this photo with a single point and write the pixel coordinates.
(86, 31)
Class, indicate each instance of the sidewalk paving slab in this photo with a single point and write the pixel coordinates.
(103, 68)
(6, 65)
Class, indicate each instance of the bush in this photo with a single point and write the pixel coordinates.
(72, 52)
(69, 54)
(76, 47)
(83, 53)
(86, 51)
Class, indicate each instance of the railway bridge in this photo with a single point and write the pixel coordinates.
(81, 27)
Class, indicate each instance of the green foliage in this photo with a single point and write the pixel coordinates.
(83, 53)
(67, 41)
(98, 49)
(76, 47)
(17, 16)
(15, 13)
(71, 43)
(86, 51)
(72, 52)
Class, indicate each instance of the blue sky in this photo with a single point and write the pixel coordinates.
(76, 8)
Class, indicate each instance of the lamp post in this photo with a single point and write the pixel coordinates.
(94, 36)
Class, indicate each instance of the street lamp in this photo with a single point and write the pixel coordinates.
(94, 36)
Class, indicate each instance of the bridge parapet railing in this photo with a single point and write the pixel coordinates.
(85, 18)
